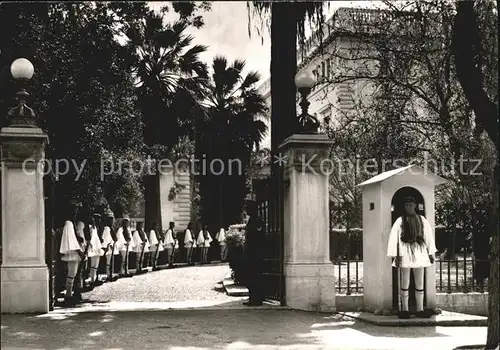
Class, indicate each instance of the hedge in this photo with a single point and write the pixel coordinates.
(235, 241)
(346, 245)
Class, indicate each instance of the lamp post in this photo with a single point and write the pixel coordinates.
(22, 115)
(24, 272)
(308, 124)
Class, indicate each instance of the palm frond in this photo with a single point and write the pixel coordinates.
(190, 62)
(250, 80)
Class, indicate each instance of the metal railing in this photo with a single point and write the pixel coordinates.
(462, 274)
(452, 276)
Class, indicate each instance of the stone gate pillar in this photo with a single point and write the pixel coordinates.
(309, 273)
(24, 272)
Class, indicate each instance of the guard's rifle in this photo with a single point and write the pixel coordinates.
(398, 267)
(113, 248)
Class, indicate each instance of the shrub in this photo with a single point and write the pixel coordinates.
(345, 245)
(444, 239)
(235, 240)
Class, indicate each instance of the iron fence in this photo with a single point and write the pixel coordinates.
(464, 275)
(460, 272)
(461, 275)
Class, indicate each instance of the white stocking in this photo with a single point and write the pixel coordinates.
(108, 265)
(170, 252)
(94, 266)
(223, 251)
(205, 254)
(153, 257)
(70, 279)
(124, 268)
(418, 275)
(405, 284)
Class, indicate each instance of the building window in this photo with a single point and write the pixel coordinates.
(325, 115)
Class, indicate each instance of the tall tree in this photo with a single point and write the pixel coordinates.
(170, 86)
(86, 108)
(226, 140)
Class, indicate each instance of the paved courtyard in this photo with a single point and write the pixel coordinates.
(220, 329)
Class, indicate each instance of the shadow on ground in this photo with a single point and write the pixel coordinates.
(208, 329)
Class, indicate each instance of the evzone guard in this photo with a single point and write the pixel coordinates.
(72, 250)
(95, 250)
(155, 246)
(411, 246)
(125, 245)
(110, 246)
(169, 243)
(80, 285)
(221, 238)
(189, 244)
(203, 241)
(141, 248)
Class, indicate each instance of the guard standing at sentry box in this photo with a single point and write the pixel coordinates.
(411, 246)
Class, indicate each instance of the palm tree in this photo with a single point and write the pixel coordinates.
(170, 85)
(232, 130)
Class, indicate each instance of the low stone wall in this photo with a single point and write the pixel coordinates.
(348, 303)
(466, 303)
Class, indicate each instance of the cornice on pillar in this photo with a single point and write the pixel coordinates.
(306, 153)
(21, 144)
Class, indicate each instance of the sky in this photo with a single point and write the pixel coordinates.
(226, 33)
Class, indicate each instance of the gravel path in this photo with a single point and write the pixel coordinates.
(177, 284)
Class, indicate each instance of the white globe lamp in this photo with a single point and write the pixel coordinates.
(305, 81)
(22, 69)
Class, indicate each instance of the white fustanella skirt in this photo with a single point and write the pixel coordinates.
(413, 256)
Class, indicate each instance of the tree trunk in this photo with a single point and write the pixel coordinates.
(283, 69)
(465, 44)
(283, 93)
(152, 200)
(492, 338)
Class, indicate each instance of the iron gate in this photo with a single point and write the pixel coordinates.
(270, 210)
